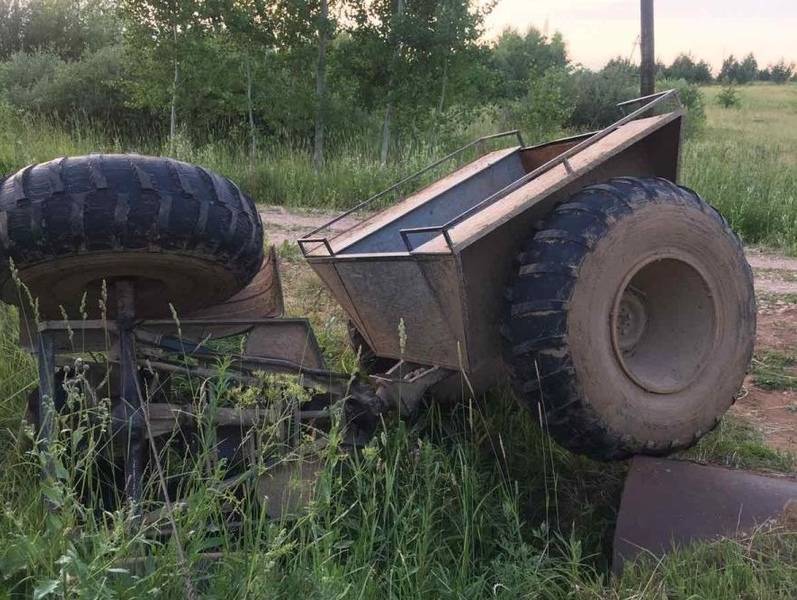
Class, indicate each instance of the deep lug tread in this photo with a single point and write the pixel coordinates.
(126, 203)
(566, 238)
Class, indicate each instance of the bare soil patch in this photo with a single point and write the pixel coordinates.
(773, 412)
(284, 224)
(774, 273)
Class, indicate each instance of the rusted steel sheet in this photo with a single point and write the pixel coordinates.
(261, 299)
(470, 183)
(290, 339)
(382, 292)
(670, 503)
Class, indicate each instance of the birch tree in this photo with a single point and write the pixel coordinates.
(250, 28)
(162, 32)
(321, 84)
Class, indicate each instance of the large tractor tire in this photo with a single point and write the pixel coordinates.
(182, 235)
(631, 319)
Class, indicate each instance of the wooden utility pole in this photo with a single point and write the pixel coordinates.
(647, 67)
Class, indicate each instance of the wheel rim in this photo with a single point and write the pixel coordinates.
(663, 323)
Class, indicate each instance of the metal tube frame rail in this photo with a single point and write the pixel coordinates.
(652, 101)
(308, 239)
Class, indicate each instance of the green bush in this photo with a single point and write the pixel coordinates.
(781, 72)
(692, 100)
(729, 97)
(26, 79)
(41, 82)
(596, 95)
(540, 114)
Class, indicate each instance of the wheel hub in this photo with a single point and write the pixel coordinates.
(663, 324)
(631, 320)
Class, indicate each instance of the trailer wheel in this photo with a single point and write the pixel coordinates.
(184, 235)
(632, 319)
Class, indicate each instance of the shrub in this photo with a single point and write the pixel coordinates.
(685, 67)
(546, 106)
(692, 100)
(729, 97)
(781, 72)
(26, 79)
(596, 95)
(739, 72)
(42, 82)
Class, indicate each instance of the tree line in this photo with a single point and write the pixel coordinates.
(308, 71)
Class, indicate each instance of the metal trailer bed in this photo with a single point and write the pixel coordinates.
(439, 260)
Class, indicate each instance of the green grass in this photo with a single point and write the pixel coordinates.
(745, 163)
(773, 298)
(775, 370)
(761, 566)
(737, 444)
(472, 502)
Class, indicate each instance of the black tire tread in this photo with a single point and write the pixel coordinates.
(127, 203)
(569, 234)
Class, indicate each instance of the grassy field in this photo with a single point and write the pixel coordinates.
(745, 162)
(471, 503)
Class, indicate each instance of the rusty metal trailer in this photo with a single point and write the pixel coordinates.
(618, 304)
(614, 299)
(440, 259)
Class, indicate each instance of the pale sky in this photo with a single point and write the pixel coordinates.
(597, 30)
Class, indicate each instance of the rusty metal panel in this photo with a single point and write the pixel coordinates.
(488, 169)
(261, 299)
(421, 291)
(289, 339)
(457, 196)
(536, 156)
(670, 503)
(328, 272)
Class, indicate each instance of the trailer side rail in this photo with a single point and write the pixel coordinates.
(650, 101)
(310, 238)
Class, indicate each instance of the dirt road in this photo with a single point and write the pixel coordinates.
(773, 410)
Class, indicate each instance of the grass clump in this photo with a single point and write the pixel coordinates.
(774, 370)
(760, 565)
(737, 444)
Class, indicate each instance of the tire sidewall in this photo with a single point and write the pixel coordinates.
(640, 417)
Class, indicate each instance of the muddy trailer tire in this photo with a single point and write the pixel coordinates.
(184, 235)
(631, 318)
